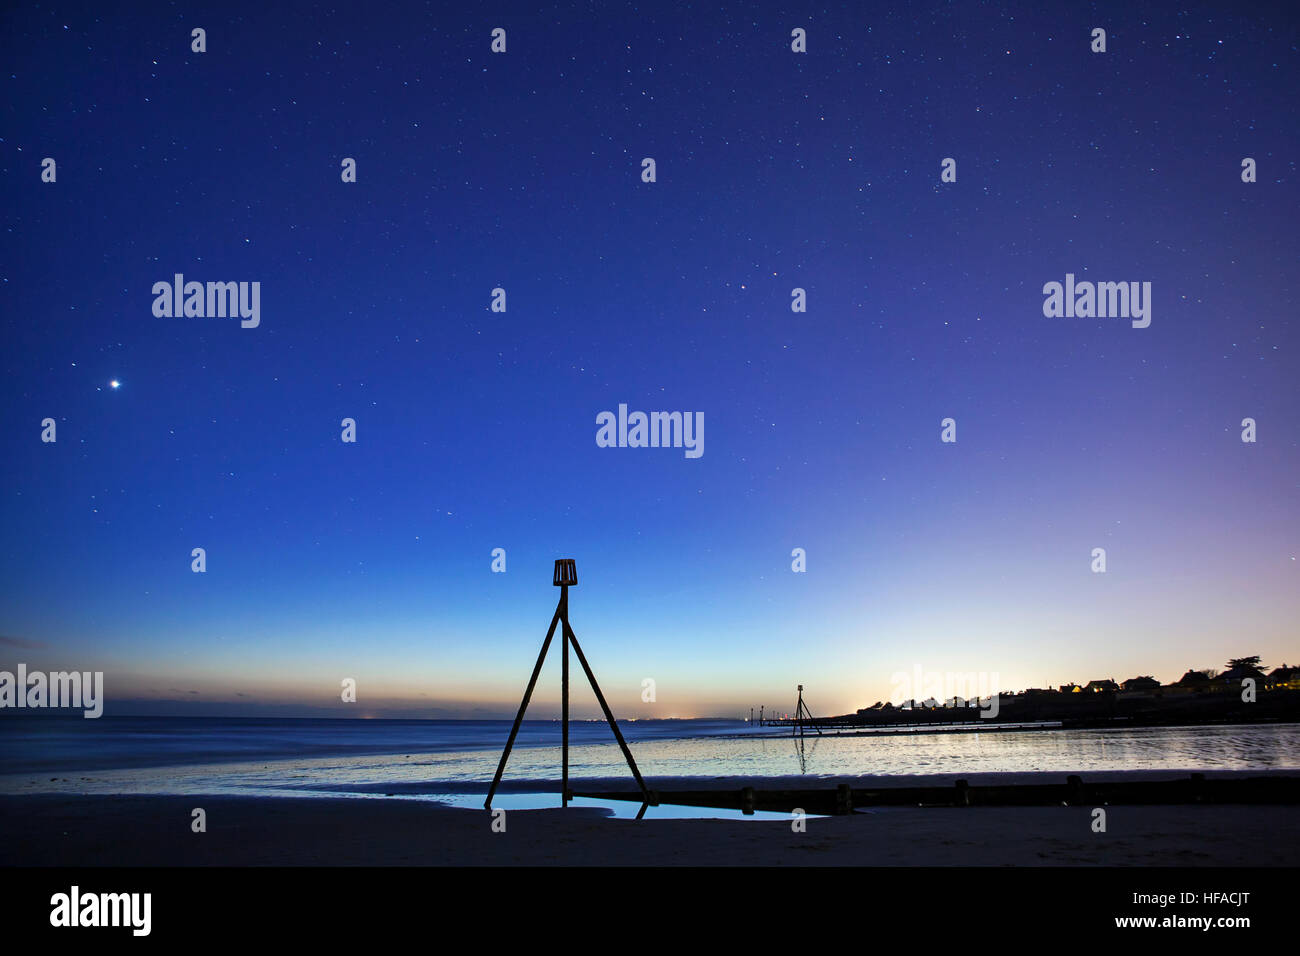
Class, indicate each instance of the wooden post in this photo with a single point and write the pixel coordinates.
(843, 799)
(747, 801)
(564, 704)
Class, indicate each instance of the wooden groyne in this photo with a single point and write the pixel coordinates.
(1073, 791)
(913, 729)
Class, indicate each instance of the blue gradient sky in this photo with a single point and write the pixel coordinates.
(476, 429)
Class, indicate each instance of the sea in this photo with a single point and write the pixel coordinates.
(453, 761)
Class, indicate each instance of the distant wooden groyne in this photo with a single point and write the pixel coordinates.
(844, 799)
(918, 727)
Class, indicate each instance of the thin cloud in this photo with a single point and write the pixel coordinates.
(19, 642)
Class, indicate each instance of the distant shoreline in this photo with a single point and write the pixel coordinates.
(1004, 726)
(1164, 707)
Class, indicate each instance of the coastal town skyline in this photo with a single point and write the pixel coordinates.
(973, 685)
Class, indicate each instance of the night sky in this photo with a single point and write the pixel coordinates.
(476, 429)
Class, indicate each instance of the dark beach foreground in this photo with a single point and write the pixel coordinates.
(73, 831)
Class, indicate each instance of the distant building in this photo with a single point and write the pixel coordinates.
(1141, 683)
(1101, 687)
(1193, 679)
(1070, 688)
(1284, 678)
(1237, 674)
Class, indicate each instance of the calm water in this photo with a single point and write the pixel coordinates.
(423, 758)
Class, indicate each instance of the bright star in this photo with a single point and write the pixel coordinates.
(115, 384)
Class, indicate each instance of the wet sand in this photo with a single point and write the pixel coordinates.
(85, 830)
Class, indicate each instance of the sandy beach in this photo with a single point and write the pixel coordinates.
(57, 830)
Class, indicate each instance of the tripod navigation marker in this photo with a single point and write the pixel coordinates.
(800, 712)
(566, 576)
